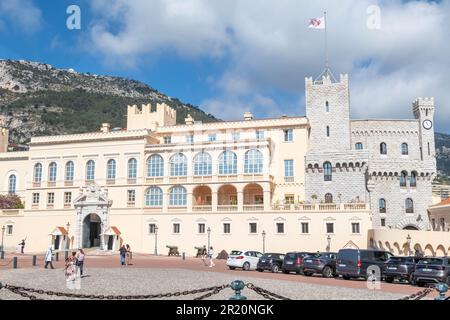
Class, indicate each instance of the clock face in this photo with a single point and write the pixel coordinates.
(427, 124)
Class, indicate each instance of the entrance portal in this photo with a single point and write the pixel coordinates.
(91, 231)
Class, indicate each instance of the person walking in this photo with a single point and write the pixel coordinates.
(203, 255)
(211, 257)
(49, 257)
(122, 253)
(80, 257)
(128, 255)
(22, 246)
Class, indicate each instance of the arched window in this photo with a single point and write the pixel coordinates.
(403, 177)
(132, 168)
(404, 149)
(154, 197)
(359, 146)
(37, 174)
(202, 164)
(177, 196)
(413, 180)
(383, 148)
(90, 170)
(178, 165)
(155, 166)
(253, 161)
(328, 131)
(328, 198)
(228, 163)
(12, 184)
(52, 168)
(111, 170)
(327, 106)
(327, 171)
(409, 205)
(382, 205)
(69, 171)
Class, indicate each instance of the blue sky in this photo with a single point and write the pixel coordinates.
(232, 56)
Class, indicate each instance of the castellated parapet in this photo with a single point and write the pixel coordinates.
(146, 118)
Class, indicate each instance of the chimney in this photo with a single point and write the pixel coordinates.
(4, 136)
(189, 120)
(248, 116)
(105, 127)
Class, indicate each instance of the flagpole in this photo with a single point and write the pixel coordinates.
(326, 43)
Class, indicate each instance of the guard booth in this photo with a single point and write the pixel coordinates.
(111, 238)
(60, 239)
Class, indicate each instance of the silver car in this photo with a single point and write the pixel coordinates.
(247, 260)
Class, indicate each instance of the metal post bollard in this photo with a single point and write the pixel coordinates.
(2, 254)
(66, 255)
(183, 255)
(442, 288)
(57, 256)
(237, 286)
(34, 261)
(15, 263)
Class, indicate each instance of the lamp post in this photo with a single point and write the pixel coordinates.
(3, 234)
(156, 240)
(209, 238)
(66, 255)
(329, 243)
(264, 241)
(408, 241)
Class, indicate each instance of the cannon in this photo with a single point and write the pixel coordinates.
(173, 251)
(199, 251)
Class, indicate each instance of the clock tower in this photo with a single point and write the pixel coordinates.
(423, 109)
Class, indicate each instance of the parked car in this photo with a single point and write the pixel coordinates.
(401, 268)
(246, 260)
(354, 263)
(321, 262)
(432, 270)
(293, 262)
(270, 261)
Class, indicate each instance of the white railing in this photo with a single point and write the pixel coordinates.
(227, 208)
(253, 207)
(322, 207)
(202, 208)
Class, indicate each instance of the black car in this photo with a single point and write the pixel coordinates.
(293, 262)
(354, 263)
(321, 262)
(270, 261)
(401, 268)
(432, 270)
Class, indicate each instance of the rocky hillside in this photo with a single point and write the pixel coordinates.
(38, 99)
(443, 155)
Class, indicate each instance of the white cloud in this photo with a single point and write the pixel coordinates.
(20, 13)
(268, 48)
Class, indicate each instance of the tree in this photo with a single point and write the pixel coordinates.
(11, 201)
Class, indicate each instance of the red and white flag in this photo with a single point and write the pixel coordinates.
(317, 23)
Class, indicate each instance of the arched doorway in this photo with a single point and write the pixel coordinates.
(91, 231)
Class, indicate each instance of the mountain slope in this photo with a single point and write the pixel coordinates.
(38, 99)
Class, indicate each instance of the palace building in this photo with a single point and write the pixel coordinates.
(319, 182)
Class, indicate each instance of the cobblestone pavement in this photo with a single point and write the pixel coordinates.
(132, 281)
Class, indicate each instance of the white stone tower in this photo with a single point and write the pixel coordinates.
(423, 109)
(328, 112)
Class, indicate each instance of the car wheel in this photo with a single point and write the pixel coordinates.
(275, 268)
(346, 277)
(327, 272)
(286, 272)
(308, 274)
(389, 280)
(420, 284)
(232, 268)
(259, 270)
(298, 272)
(246, 266)
(411, 279)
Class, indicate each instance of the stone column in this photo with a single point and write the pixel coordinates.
(240, 200)
(189, 201)
(267, 200)
(214, 201)
(79, 228)
(165, 204)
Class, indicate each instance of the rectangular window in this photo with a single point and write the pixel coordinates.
(176, 228)
(190, 138)
(131, 196)
(50, 198)
(288, 135)
(201, 228)
(67, 197)
(152, 228)
(212, 137)
(383, 222)
(289, 199)
(167, 140)
(226, 228)
(359, 146)
(355, 227)
(253, 227)
(9, 229)
(259, 135)
(330, 227)
(35, 198)
(288, 168)
(305, 227)
(235, 136)
(280, 227)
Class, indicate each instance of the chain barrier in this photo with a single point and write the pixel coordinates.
(418, 295)
(24, 292)
(265, 293)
